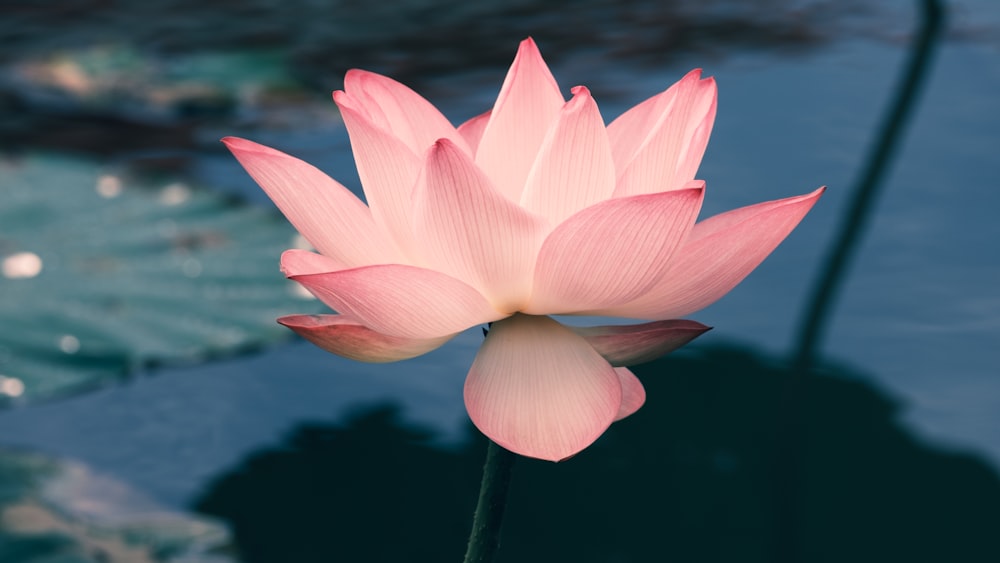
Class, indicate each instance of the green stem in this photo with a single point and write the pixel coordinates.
(485, 537)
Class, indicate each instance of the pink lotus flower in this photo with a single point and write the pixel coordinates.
(534, 208)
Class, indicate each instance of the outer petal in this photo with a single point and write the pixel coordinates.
(668, 155)
(472, 130)
(399, 300)
(387, 167)
(720, 252)
(297, 262)
(529, 101)
(574, 168)
(626, 345)
(400, 110)
(326, 213)
(538, 389)
(469, 231)
(348, 338)
(611, 252)
(633, 393)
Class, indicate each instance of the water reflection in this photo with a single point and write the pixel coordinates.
(688, 478)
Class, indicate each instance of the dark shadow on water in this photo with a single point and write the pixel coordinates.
(687, 478)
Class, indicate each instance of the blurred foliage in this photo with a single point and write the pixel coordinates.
(413, 39)
(105, 273)
(53, 511)
(690, 477)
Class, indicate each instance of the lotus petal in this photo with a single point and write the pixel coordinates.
(633, 393)
(574, 168)
(658, 146)
(469, 231)
(720, 252)
(297, 262)
(627, 345)
(472, 130)
(387, 167)
(399, 300)
(538, 389)
(398, 109)
(352, 340)
(528, 103)
(611, 252)
(326, 213)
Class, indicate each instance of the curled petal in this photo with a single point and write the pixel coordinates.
(399, 300)
(528, 103)
(472, 130)
(626, 345)
(659, 144)
(326, 213)
(349, 339)
(538, 389)
(387, 167)
(611, 252)
(400, 110)
(633, 393)
(720, 252)
(469, 231)
(574, 168)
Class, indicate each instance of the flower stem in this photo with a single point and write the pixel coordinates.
(484, 540)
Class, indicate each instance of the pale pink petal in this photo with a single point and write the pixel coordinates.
(326, 213)
(297, 262)
(631, 129)
(611, 252)
(669, 154)
(720, 252)
(399, 300)
(472, 130)
(410, 117)
(348, 338)
(469, 231)
(528, 103)
(633, 393)
(387, 167)
(538, 389)
(574, 168)
(626, 345)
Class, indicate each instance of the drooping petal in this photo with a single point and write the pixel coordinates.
(297, 262)
(410, 117)
(626, 345)
(467, 230)
(528, 103)
(669, 154)
(326, 213)
(472, 130)
(574, 168)
(611, 252)
(720, 252)
(538, 389)
(399, 300)
(633, 393)
(350, 339)
(387, 167)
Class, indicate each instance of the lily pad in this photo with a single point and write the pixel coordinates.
(103, 273)
(54, 510)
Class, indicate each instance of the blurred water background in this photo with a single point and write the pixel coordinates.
(302, 456)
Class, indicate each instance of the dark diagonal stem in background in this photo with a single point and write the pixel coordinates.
(791, 439)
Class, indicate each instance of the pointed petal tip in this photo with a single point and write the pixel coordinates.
(239, 144)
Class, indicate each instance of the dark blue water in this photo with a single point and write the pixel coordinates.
(919, 317)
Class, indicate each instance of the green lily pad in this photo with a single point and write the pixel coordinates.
(60, 511)
(103, 274)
